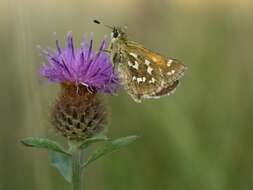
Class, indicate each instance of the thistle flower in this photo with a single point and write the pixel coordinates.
(80, 66)
(78, 113)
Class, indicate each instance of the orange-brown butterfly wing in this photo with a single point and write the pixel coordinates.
(147, 74)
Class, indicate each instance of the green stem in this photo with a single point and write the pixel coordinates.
(77, 171)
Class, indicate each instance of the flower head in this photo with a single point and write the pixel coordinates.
(80, 66)
(78, 116)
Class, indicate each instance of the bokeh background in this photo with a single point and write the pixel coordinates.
(199, 138)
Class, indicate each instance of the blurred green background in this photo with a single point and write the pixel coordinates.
(199, 138)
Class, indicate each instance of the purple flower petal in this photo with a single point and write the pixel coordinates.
(81, 66)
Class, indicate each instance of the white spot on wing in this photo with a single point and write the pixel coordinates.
(149, 70)
(147, 62)
(130, 64)
(169, 62)
(134, 55)
(152, 80)
(171, 72)
(136, 65)
(139, 80)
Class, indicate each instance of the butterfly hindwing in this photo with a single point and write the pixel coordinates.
(147, 74)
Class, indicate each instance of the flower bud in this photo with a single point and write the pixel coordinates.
(78, 113)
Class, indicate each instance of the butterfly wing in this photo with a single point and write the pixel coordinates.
(147, 74)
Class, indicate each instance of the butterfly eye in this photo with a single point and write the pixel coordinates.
(115, 34)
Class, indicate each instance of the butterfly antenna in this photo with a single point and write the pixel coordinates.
(98, 22)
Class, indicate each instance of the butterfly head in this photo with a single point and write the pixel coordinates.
(118, 34)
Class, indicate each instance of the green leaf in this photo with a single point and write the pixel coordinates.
(44, 143)
(63, 164)
(110, 147)
(93, 140)
(60, 158)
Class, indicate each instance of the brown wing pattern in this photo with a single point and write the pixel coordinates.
(147, 74)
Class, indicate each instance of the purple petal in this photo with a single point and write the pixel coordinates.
(81, 66)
